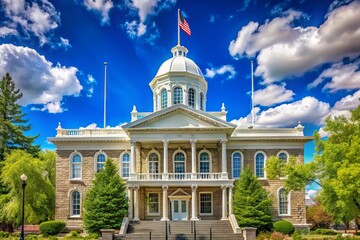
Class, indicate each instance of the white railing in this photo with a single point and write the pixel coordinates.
(177, 176)
(88, 132)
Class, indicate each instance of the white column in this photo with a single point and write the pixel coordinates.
(136, 203)
(170, 98)
(224, 207)
(131, 203)
(133, 160)
(223, 159)
(193, 159)
(166, 153)
(185, 95)
(230, 200)
(193, 203)
(165, 203)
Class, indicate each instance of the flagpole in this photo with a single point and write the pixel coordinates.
(178, 27)
(105, 63)
(252, 95)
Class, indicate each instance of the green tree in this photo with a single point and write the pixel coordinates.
(336, 168)
(39, 191)
(252, 205)
(106, 203)
(12, 122)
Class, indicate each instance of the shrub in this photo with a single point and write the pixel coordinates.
(284, 227)
(278, 236)
(263, 236)
(297, 235)
(31, 237)
(324, 231)
(4, 234)
(73, 234)
(51, 228)
(15, 234)
(53, 238)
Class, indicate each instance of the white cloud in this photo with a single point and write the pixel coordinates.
(307, 110)
(91, 82)
(212, 19)
(273, 94)
(284, 50)
(144, 10)
(41, 83)
(65, 43)
(101, 7)
(223, 70)
(343, 76)
(36, 18)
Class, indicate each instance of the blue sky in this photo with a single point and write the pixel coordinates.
(306, 58)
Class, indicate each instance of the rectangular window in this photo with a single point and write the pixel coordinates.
(76, 170)
(75, 204)
(153, 203)
(125, 169)
(205, 203)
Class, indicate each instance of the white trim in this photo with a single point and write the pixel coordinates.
(95, 159)
(161, 98)
(212, 204)
(173, 93)
(120, 163)
(70, 199)
(242, 163)
(210, 160)
(288, 205)
(75, 152)
(147, 205)
(173, 159)
(159, 160)
(265, 158)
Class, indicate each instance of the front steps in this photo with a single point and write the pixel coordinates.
(181, 230)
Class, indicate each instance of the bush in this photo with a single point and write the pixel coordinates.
(51, 228)
(284, 227)
(15, 234)
(31, 237)
(324, 231)
(297, 235)
(278, 236)
(53, 238)
(263, 236)
(4, 234)
(73, 234)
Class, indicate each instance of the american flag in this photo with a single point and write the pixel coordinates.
(183, 24)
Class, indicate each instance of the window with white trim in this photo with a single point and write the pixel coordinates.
(179, 162)
(76, 166)
(204, 162)
(236, 159)
(163, 98)
(125, 165)
(100, 162)
(178, 98)
(153, 203)
(283, 199)
(153, 163)
(259, 165)
(283, 156)
(205, 203)
(75, 204)
(191, 97)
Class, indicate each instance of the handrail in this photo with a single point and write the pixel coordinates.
(124, 226)
(234, 224)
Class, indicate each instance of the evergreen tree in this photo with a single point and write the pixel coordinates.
(252, 205)
(12, 122)
(106, 203)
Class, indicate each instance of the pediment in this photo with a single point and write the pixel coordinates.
(179, 192)
(178, 117)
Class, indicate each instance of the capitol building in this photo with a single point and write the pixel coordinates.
(180, 161)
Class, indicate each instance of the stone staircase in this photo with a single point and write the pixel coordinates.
(181, 230)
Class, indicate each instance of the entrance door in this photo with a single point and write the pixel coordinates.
(179, 210)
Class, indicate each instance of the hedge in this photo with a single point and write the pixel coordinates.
(324, 231)
(284, 227)
(51, 228)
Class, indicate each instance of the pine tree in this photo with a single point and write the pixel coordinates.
(12, 122)
(106, 203)
(252, 205)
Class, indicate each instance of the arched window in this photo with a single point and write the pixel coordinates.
(204, 162)
(191, 97)
(236, 159)
(201, 101)
(283, 200)
(100, 162)
(125, 165)
(75, 204)
(76, 166)
(178, 95)
(283, 156)
(164, 99)
(153, 163)
(259, 165)
(179, 165)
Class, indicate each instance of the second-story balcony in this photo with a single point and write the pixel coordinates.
(177, 176)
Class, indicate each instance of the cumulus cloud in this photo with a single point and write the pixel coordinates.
(284, 50)
(342, 76)
(144, 10)
(223, 70)
(101, 7)
(30, 18)
(272, 94)
(42, 83)
(306, 110)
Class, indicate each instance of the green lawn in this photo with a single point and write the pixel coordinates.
(318, 237)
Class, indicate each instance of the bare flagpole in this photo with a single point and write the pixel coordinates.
(252, 95)
(178, 27)
(105, 63)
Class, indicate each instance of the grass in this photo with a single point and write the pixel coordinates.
(318, 237)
